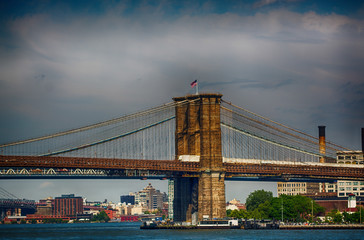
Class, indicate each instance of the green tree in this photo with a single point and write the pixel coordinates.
(256, 198)
(336, 216)
(295, 208)
(101, 217)
(354, 217)
(228, 212)
(237, 213)
(264, 209)
(256, 214)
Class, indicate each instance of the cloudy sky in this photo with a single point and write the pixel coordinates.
(66, 64)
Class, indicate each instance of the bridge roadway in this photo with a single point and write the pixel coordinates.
(38, 167)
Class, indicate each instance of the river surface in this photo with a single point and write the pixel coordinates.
(132, 231)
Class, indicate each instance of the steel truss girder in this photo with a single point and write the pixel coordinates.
(50, 166)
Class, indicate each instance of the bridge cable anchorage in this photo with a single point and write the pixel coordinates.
(284, 126)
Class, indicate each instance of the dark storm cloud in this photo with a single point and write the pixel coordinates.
(65, 64)
(125, 52)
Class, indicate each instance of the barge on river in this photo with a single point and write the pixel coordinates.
(213, 224)
(205, 224)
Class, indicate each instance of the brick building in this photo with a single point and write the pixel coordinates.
(68, 205)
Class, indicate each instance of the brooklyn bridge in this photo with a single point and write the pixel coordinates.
(196, 141)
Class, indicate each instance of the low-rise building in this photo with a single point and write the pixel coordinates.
(45, 207)
(235, 205)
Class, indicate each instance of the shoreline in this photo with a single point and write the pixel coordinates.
(281, 227)
(333, 226)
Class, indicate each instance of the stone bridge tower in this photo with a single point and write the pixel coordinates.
(198, 133)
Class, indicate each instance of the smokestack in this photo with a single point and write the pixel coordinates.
(322, 142)
(362, 140)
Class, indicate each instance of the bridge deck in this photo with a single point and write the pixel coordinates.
(177, 167)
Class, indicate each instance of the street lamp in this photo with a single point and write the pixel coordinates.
(282, 209)
(312, 210)
(360, 208)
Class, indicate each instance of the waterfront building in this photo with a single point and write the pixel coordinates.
(345, 188)
(341, 188)
(129, 218)
(68, 205)
(293, 188)
(330, 201)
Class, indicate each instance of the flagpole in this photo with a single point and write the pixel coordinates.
(197, 88)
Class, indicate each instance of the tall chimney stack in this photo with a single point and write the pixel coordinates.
(322, 142)
(362, 140)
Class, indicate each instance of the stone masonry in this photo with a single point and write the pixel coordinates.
(198, 132)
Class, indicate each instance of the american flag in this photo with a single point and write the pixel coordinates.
(194, 83)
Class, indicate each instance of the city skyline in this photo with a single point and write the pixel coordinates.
(69, 64)
(56, 188)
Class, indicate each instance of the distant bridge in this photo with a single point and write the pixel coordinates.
(12, 204)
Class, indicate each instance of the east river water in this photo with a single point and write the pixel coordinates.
(132, 231)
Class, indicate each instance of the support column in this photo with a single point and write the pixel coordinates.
(198, 132)
(211, 197)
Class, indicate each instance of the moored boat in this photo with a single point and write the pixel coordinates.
(218, 224)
